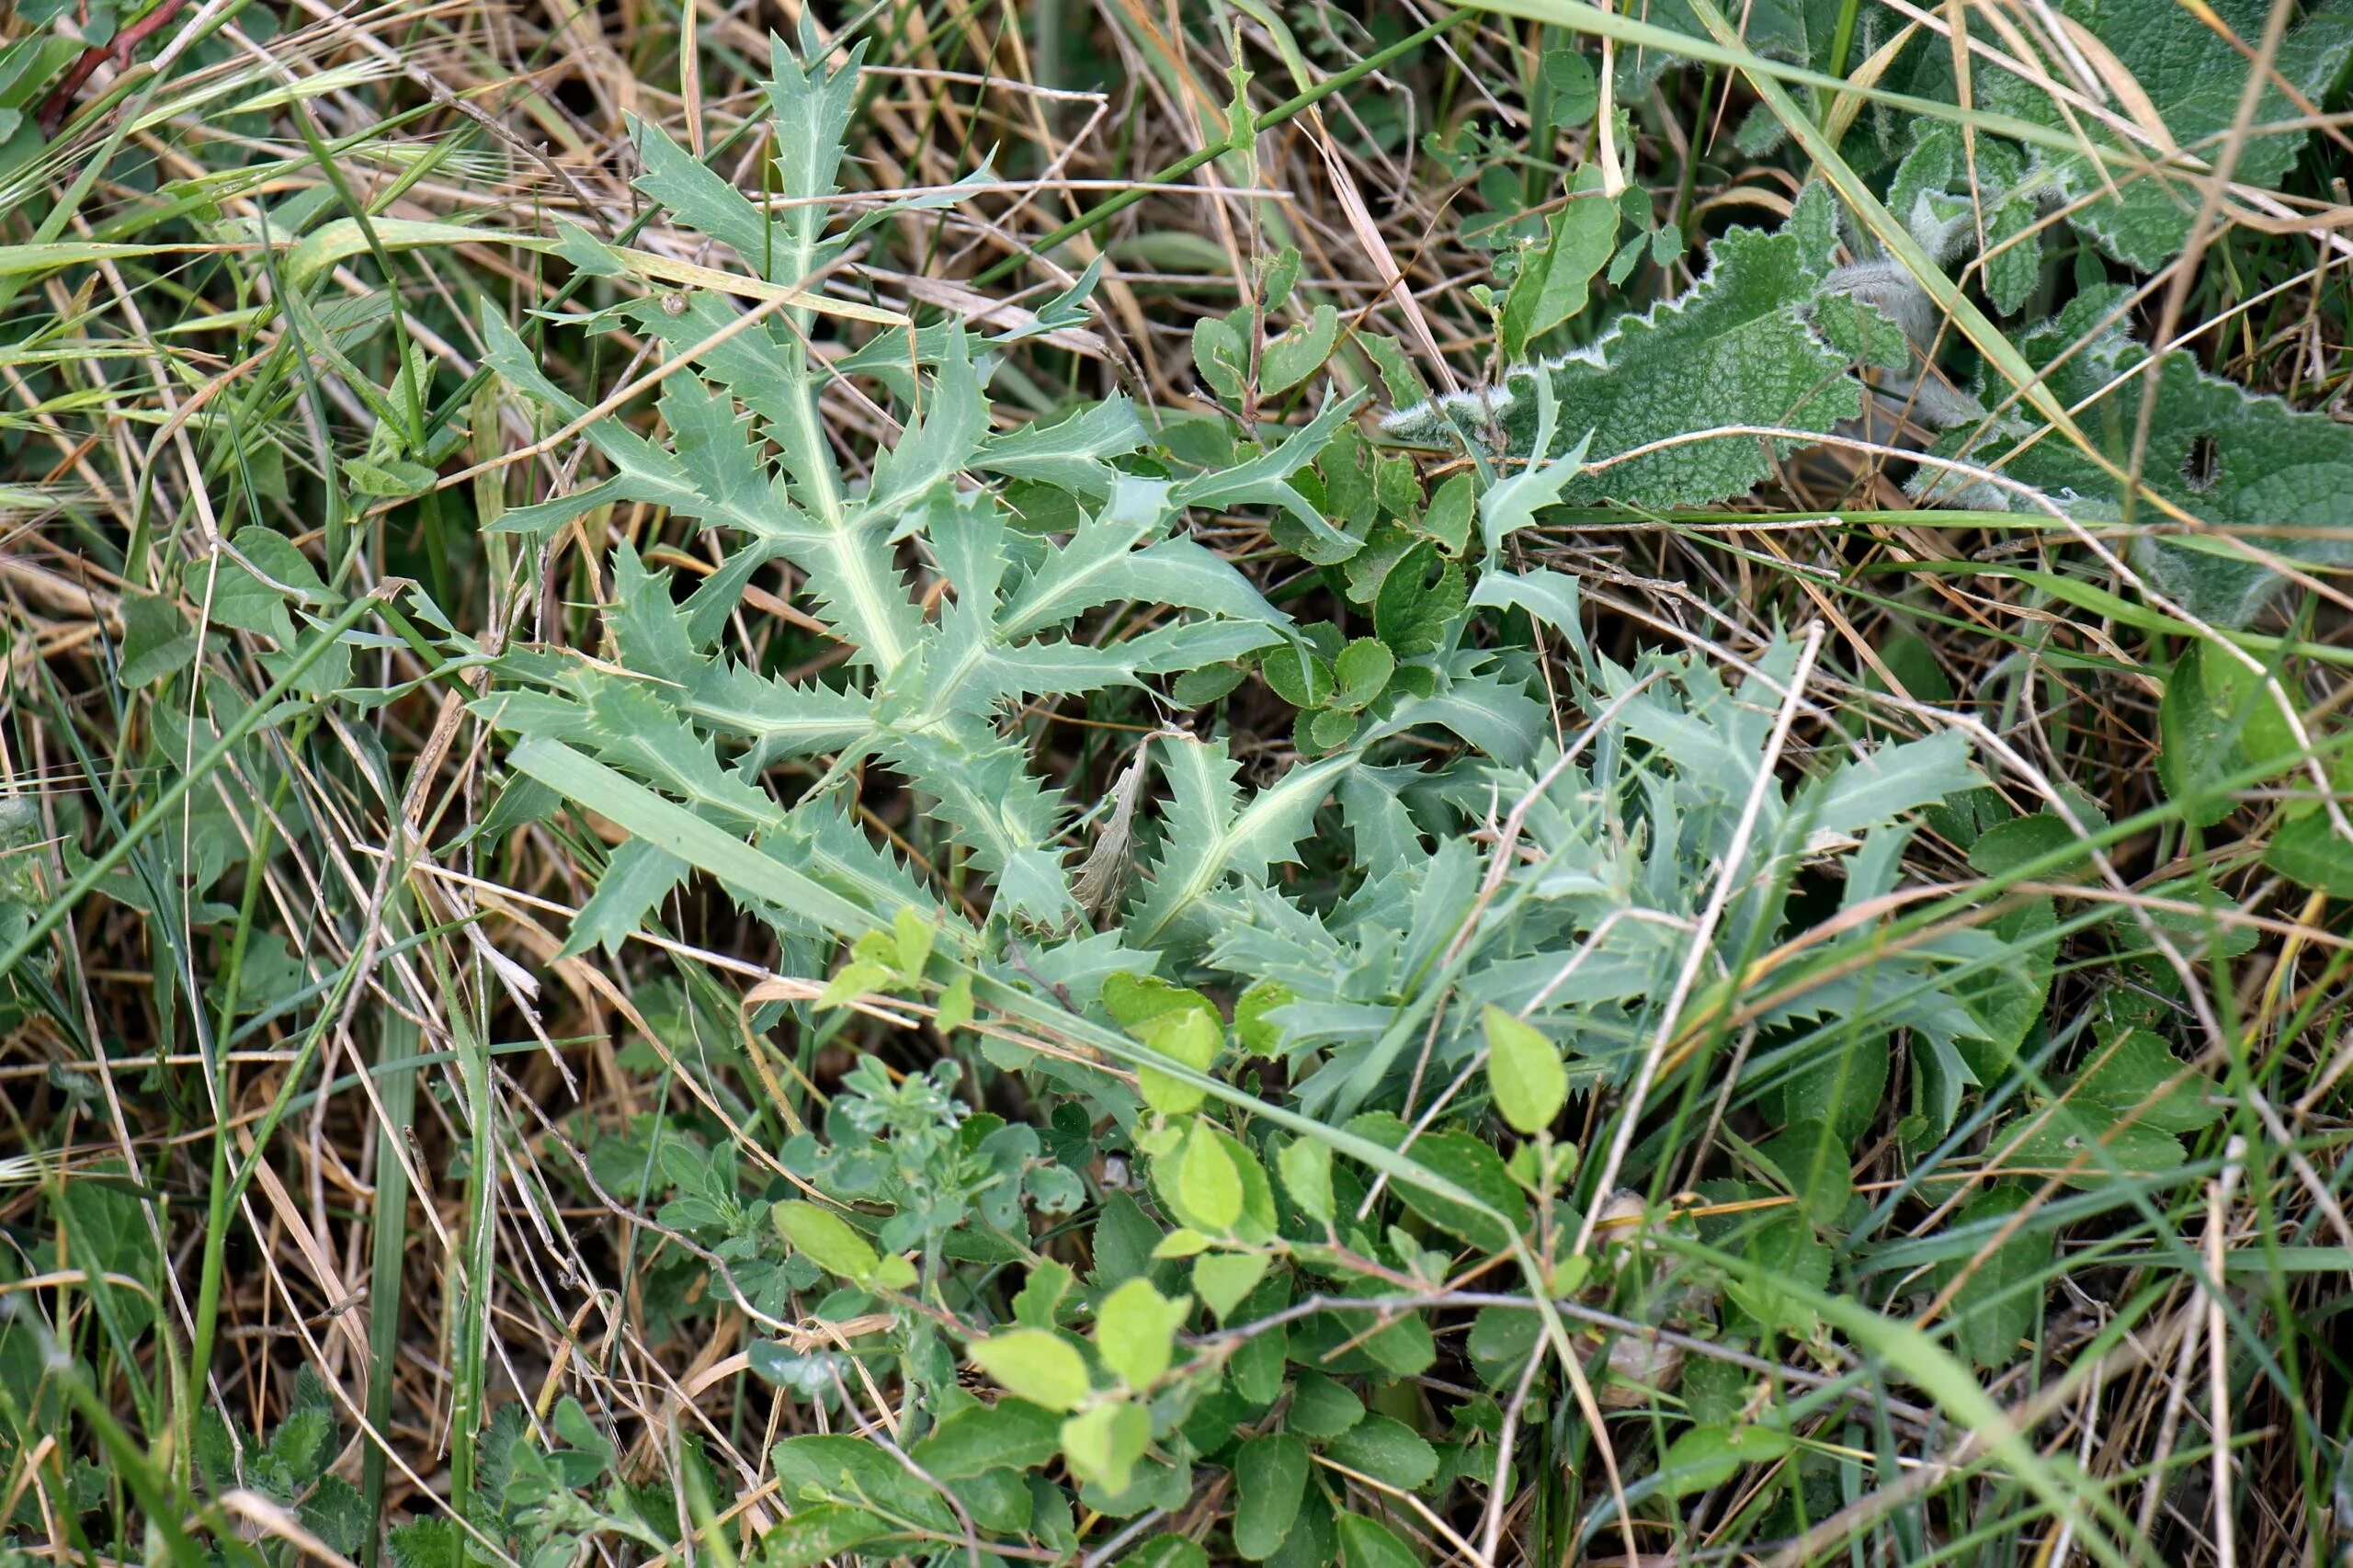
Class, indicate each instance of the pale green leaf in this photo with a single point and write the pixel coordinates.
(1707, 1457)
(1222, 1279)
(1306, 1167)
(1524, 1073)
(1104, 1441)
(828, 1239)
(1035, 1364)
(1208, 1180)
(1135, 1332)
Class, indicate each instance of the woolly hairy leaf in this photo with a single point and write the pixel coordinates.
(2190, 66)
(2244, 462)
(1740, 348)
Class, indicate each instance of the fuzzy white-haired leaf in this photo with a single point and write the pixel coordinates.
(1740, 347)
(2248, 464)
(2191, 68)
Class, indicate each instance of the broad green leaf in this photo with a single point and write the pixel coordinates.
(2091, 1145)
(1259, 1034)
(914, 938)
(1842, 1090)
(1551, 285)
(1707, 1457)
(1790, 1263)
(2217, 718)
(813, 1533)
(1361, 674)
(2136, 1074)
(1368, 1543)
(1295, 355)
(1322, 1407)
(828, 1239)
(2247, 464)
(1034, 1306)
(2189, 76)
(1386, 1450)
(157, 640)
(1270, 1479)
(846, 1469)
(955, 1006)
(1500, 1342)
(1299, 675)
(1421, 594)
(1463, 1163)
(1307, 1175)
(2002, 1300)
(1219, 356)
(2308, 850)
(1524, 1071)
(1814, 1159)
(1012, 1433)
(1068, 452)
(1737, 350)
(1034, 1364)
(1180, 1243)
(2007, 847)
(855, 979)
(1190, 1037)
(1168, 1551)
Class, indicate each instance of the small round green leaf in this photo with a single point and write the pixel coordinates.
(1299, 676)
(1360, 673)
(1307, 1175)
(1709, 1456)
(1135, 1332)
(1222, 1279)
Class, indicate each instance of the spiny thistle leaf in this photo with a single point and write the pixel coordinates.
(1210, 835)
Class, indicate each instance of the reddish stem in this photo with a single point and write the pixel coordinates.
(125, 43)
